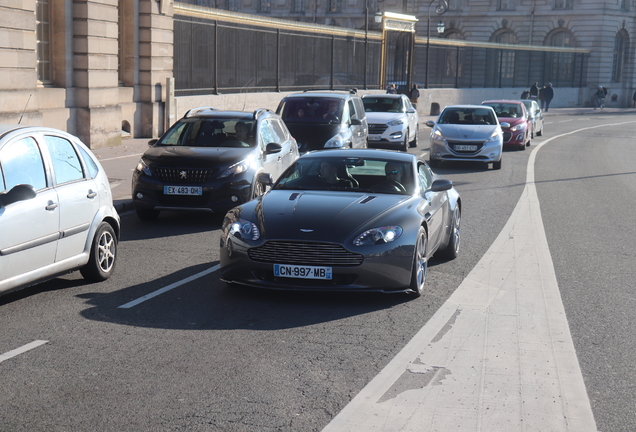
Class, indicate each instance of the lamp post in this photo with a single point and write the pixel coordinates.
(440, 29)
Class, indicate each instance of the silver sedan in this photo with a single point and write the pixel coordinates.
(466, 133)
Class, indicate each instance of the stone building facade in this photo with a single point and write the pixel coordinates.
(95, 68)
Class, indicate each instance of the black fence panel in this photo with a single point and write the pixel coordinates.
(229, 55)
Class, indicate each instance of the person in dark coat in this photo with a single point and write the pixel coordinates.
(548, 95)
(534, 91)
(634, 99)
(414, 95)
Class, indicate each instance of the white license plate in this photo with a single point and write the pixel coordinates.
(182, 190)
(375, 137)
(466, 147)
(302, 272)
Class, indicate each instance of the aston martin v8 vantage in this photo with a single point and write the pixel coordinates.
(343, 220)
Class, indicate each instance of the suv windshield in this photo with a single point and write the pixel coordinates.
(382, 104)
(211, 132)
(312, 110)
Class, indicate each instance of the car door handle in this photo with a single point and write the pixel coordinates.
(91, 194)
(51, 206)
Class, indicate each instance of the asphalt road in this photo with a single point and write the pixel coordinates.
(203, 357)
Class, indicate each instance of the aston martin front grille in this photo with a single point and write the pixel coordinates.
(183, 175)
(304, 253)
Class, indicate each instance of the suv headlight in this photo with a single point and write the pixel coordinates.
(396, 122)
(237, 168)
(380, 235)
(335, 141)
(143, 167)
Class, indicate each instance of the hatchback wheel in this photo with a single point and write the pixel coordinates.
(415, 140)
(258, 189)
(103, 254)
(496, 165)
(405, 144)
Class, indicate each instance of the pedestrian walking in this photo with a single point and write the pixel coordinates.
(548, 95)
(542, 97)
(391, 89)
(599, 95)
(414, 95)
(534, 91)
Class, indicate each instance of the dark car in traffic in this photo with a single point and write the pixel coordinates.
(325, 119)
(344, 220)
(209, 161)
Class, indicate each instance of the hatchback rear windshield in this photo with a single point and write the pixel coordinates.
(211, 132)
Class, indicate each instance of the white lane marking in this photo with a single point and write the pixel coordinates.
(565, 121)
(170, 287)
(498, 355)
(22, 349)
(121, 157)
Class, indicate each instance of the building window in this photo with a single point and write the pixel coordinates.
(232, 5)
(563, 4)
(298, 5)
(333, 5)
(560, 65)
(43, 40)
(506, 4)
(506, 58)
(620, 54)
(265, 6)
(625, 5)
(453, 59)
(455, 5)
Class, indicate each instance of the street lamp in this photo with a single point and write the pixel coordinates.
(443, 6)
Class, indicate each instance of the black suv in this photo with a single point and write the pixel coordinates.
(321, 119)
(209, 160)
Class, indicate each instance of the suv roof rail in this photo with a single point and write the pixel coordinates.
(323, 90)
(195, 111)
(260, 111)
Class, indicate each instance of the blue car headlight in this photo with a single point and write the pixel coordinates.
(335, 141)
(244, 229)
(380, 235)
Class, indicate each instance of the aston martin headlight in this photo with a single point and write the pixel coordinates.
(396, 122)
(379, 235)
(237, 168)
(245, 229)
(143, 167)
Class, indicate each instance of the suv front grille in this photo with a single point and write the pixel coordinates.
(183, 175)
(307, 253)
(377, 129)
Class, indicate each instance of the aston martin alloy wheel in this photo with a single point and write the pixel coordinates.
(420, 264)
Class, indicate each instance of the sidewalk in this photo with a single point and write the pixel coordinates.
(120, 161)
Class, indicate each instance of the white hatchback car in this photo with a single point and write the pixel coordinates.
(393, 121)
(56, 209)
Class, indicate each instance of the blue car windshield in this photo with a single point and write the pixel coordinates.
(349, 174)
(211, 132)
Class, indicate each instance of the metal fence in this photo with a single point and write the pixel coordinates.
(224, 52)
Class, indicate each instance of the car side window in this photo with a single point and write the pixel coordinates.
(22, 163)
(266, 134)
(424, 177)
(278, 131)
(66, 163)
(352, 109)
(89, 162)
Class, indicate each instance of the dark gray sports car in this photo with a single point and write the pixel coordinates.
(343, 220)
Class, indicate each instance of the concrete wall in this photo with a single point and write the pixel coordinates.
(563, 98)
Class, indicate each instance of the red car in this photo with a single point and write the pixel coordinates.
(514, 113)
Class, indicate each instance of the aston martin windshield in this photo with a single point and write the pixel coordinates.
(349, 174)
